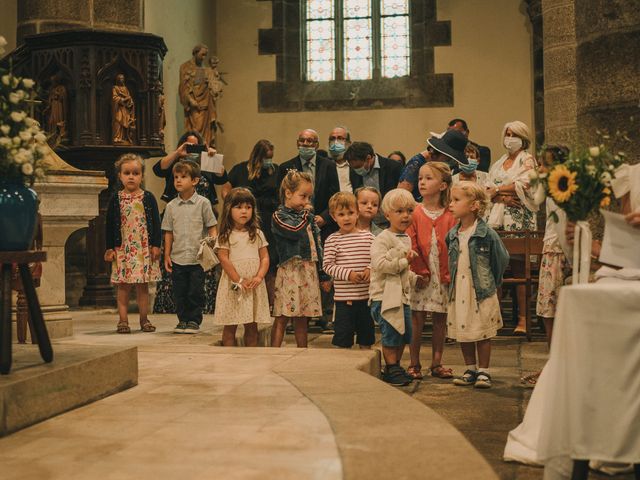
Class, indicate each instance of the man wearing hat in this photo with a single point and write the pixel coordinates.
(448, 149)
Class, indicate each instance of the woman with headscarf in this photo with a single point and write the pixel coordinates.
(513, 206)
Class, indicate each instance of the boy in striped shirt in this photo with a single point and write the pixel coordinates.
(347, 258)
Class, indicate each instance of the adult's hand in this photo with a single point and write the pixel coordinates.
(319, 221)
(511, 201)
(633, 219)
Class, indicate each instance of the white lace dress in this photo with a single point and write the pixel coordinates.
(432, 298)
(235, 307)
(468, 320)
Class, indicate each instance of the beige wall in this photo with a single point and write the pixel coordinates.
(490, 59)
(9, 22)
(181, 28)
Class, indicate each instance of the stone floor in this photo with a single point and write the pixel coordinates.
(148, 431)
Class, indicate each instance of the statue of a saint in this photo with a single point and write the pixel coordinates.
(198, 92)
(56, 111)
(162, 119)
(123, 119)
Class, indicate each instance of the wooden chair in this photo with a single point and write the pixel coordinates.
(528, 244)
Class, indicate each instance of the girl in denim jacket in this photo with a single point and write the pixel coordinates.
(477, 261)
(297, 238)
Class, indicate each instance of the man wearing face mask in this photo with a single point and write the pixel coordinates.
(372, 170)
(448, 148)
(339, 141)
(484, 153)
(323, 172)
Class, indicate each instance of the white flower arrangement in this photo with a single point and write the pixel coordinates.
(22, 142)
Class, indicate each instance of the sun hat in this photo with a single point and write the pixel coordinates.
(452, 144)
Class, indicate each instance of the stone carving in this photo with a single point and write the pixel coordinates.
(162, 119)
(200, 87)
(56, 112)
(123, 120)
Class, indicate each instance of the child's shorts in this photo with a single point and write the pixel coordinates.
(353, 317)
(390, 336)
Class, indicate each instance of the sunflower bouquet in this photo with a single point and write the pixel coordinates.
(582, 183)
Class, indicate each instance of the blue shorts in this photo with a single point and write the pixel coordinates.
(390, 336)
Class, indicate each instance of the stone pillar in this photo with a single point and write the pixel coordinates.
(559, 58)
(608, 71)
(41, 16)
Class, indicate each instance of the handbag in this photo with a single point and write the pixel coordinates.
(206, 256)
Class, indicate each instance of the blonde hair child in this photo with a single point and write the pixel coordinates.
(428, 232)
(477, 261)
(133, 237)
(297, 286)
(242, 249)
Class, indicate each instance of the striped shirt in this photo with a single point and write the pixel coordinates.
(345, 253)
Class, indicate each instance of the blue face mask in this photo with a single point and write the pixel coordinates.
(194, 157)
(361, 171)
(470, 168)
(337, 148)
(306, 153)
(267, 163)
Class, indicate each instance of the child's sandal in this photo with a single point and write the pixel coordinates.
(147, 327)
(439, 371)
(415, 371)
(123, 328)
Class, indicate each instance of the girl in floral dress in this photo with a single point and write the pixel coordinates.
(428, 232)
(242, 249)
(133, 241)
(297, 237)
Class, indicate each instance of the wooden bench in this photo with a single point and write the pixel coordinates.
(35, 319)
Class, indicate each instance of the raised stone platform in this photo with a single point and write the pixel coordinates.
(79, 374)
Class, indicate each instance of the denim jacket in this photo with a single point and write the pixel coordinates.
(488, 258)
(289, 228)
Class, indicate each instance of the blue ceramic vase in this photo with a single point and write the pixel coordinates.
(18, 207)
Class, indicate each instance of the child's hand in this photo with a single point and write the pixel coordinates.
(109, 255)
(155, 254)
(355, 277)
(254, 282)
(326, 286)
(365, 275)
(167, 263)
(411, 255)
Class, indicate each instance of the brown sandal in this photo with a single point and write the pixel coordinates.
(530, 381)
(147, 327)
(415, 371)
(123, 328)
(439, 371)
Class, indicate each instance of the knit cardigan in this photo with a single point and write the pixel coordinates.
(113, 234)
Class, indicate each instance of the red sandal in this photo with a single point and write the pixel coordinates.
(415, 371)
(439, 371)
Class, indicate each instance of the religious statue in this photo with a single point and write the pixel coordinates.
(123, 120)
(200, 86)
(56, 112)
(162, 119)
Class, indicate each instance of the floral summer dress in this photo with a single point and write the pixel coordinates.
(432, 298)
(297, 289)
(515, 218)
(133, 258)
(469, 320)
(235, 307)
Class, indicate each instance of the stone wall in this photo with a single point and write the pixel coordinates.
(39, 16)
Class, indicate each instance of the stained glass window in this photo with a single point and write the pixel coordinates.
(356, 39)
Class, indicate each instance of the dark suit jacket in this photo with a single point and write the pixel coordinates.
(389, 175)
(326, 183)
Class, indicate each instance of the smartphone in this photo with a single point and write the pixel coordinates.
(191, 148)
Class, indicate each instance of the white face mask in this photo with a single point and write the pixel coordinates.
(512, 144)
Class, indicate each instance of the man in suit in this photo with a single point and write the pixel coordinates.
(339, 141)
(485, 153)
(324, 174)
(372, 170)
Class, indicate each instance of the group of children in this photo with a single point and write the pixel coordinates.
(438, 259)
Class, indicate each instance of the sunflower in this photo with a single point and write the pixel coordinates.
(562, 183)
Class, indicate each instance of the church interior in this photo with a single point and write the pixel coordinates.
(452, 185)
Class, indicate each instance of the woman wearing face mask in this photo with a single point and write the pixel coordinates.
(260, 175)
(163, 302)
(513, 207)
(470, 172)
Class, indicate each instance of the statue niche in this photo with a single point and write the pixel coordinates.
(56, 112)
(123, 115)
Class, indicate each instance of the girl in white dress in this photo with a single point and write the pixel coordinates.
(242, 250)
(428, 232)
(477, 261)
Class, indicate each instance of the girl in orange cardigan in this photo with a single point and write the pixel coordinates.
(431, 223)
